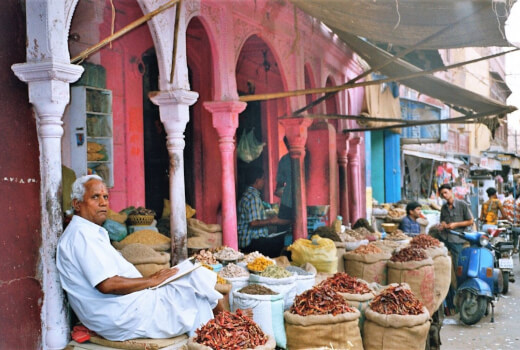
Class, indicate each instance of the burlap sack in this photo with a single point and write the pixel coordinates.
(389, 246)
(442, 267)
(194, 223)
(368, 267)
(360, 302)
(340, 251)
(270, 345)
(149, 269)
(138, 253)
(420, 276)
(395, 332)
(318, 331)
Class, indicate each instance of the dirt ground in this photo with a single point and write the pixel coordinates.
(504, 333)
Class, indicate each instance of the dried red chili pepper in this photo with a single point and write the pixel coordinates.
(343, 283)
(412, 253)
(320, 300)
(397, 300)
(228, 331)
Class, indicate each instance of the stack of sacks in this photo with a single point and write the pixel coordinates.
(150, 255)
(202, 235)
(145, 259)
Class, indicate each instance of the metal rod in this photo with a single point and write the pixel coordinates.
(175, 36)
(84, 54)
(508, 109)
(275, 95)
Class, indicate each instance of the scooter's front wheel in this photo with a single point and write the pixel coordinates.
(472, 308)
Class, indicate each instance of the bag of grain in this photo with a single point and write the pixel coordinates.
(367, 262)
(441, 265)
(411, 265)
(267, 308)
(396, 320)
(334, 324)
(150, 238)
(279, 280)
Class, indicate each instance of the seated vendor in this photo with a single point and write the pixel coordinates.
(409, 225)
(252, 222)
(109, 295)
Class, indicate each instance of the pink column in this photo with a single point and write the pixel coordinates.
(342, 149)
(225, 120)
(296, 132)
(356, 205)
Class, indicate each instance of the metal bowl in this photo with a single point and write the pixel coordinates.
(317, 210)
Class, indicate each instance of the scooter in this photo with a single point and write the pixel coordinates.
(478, 281)
(501, 241)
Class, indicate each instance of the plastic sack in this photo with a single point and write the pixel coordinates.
(236, 283)
(267, 313)
(285, 286)
(248, 148)
(320, 252)
(116, 231)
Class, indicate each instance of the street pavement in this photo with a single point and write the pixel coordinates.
(504, 333)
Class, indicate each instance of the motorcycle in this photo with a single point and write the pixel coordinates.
(478, 281)
(501, 242)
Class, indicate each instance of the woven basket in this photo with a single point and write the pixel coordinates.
(137, 220)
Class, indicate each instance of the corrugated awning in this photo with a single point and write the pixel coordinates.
(464, 23)
(430, 85)
(431, 156)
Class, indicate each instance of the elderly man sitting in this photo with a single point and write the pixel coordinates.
(108, 294)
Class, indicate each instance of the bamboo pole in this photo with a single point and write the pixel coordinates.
(175, 38)
(351, 117)
(275, 95)
(84, 54)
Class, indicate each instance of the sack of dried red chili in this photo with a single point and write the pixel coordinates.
(267, 312)
(367, 263)
(405, 325)
(319, 318)
(418, 274)
(354, 290)
(442, 267)
(228, 331)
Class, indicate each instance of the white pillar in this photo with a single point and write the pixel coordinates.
(49, 94)
(175, 114)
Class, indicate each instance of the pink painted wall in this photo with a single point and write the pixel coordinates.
(207, 158)
(20, 238)
(125, 81)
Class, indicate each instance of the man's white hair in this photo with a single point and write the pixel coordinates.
(78, 187)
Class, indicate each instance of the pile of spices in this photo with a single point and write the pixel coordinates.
(274, 271)
(367, 249)
(425, 241)
(320, 300)
(259, 264)
(249, 258)
(343, 283)
(409, 254)
(298, 270)
(205, 257)
(257, 289)
(221, 280)
(228, 331)
(396, 235)
(227, 253)
(354, 234)
(149, 237)
(233, 271)
(328, 232)
(397, 300)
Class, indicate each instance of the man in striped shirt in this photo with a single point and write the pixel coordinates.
(252, 222)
